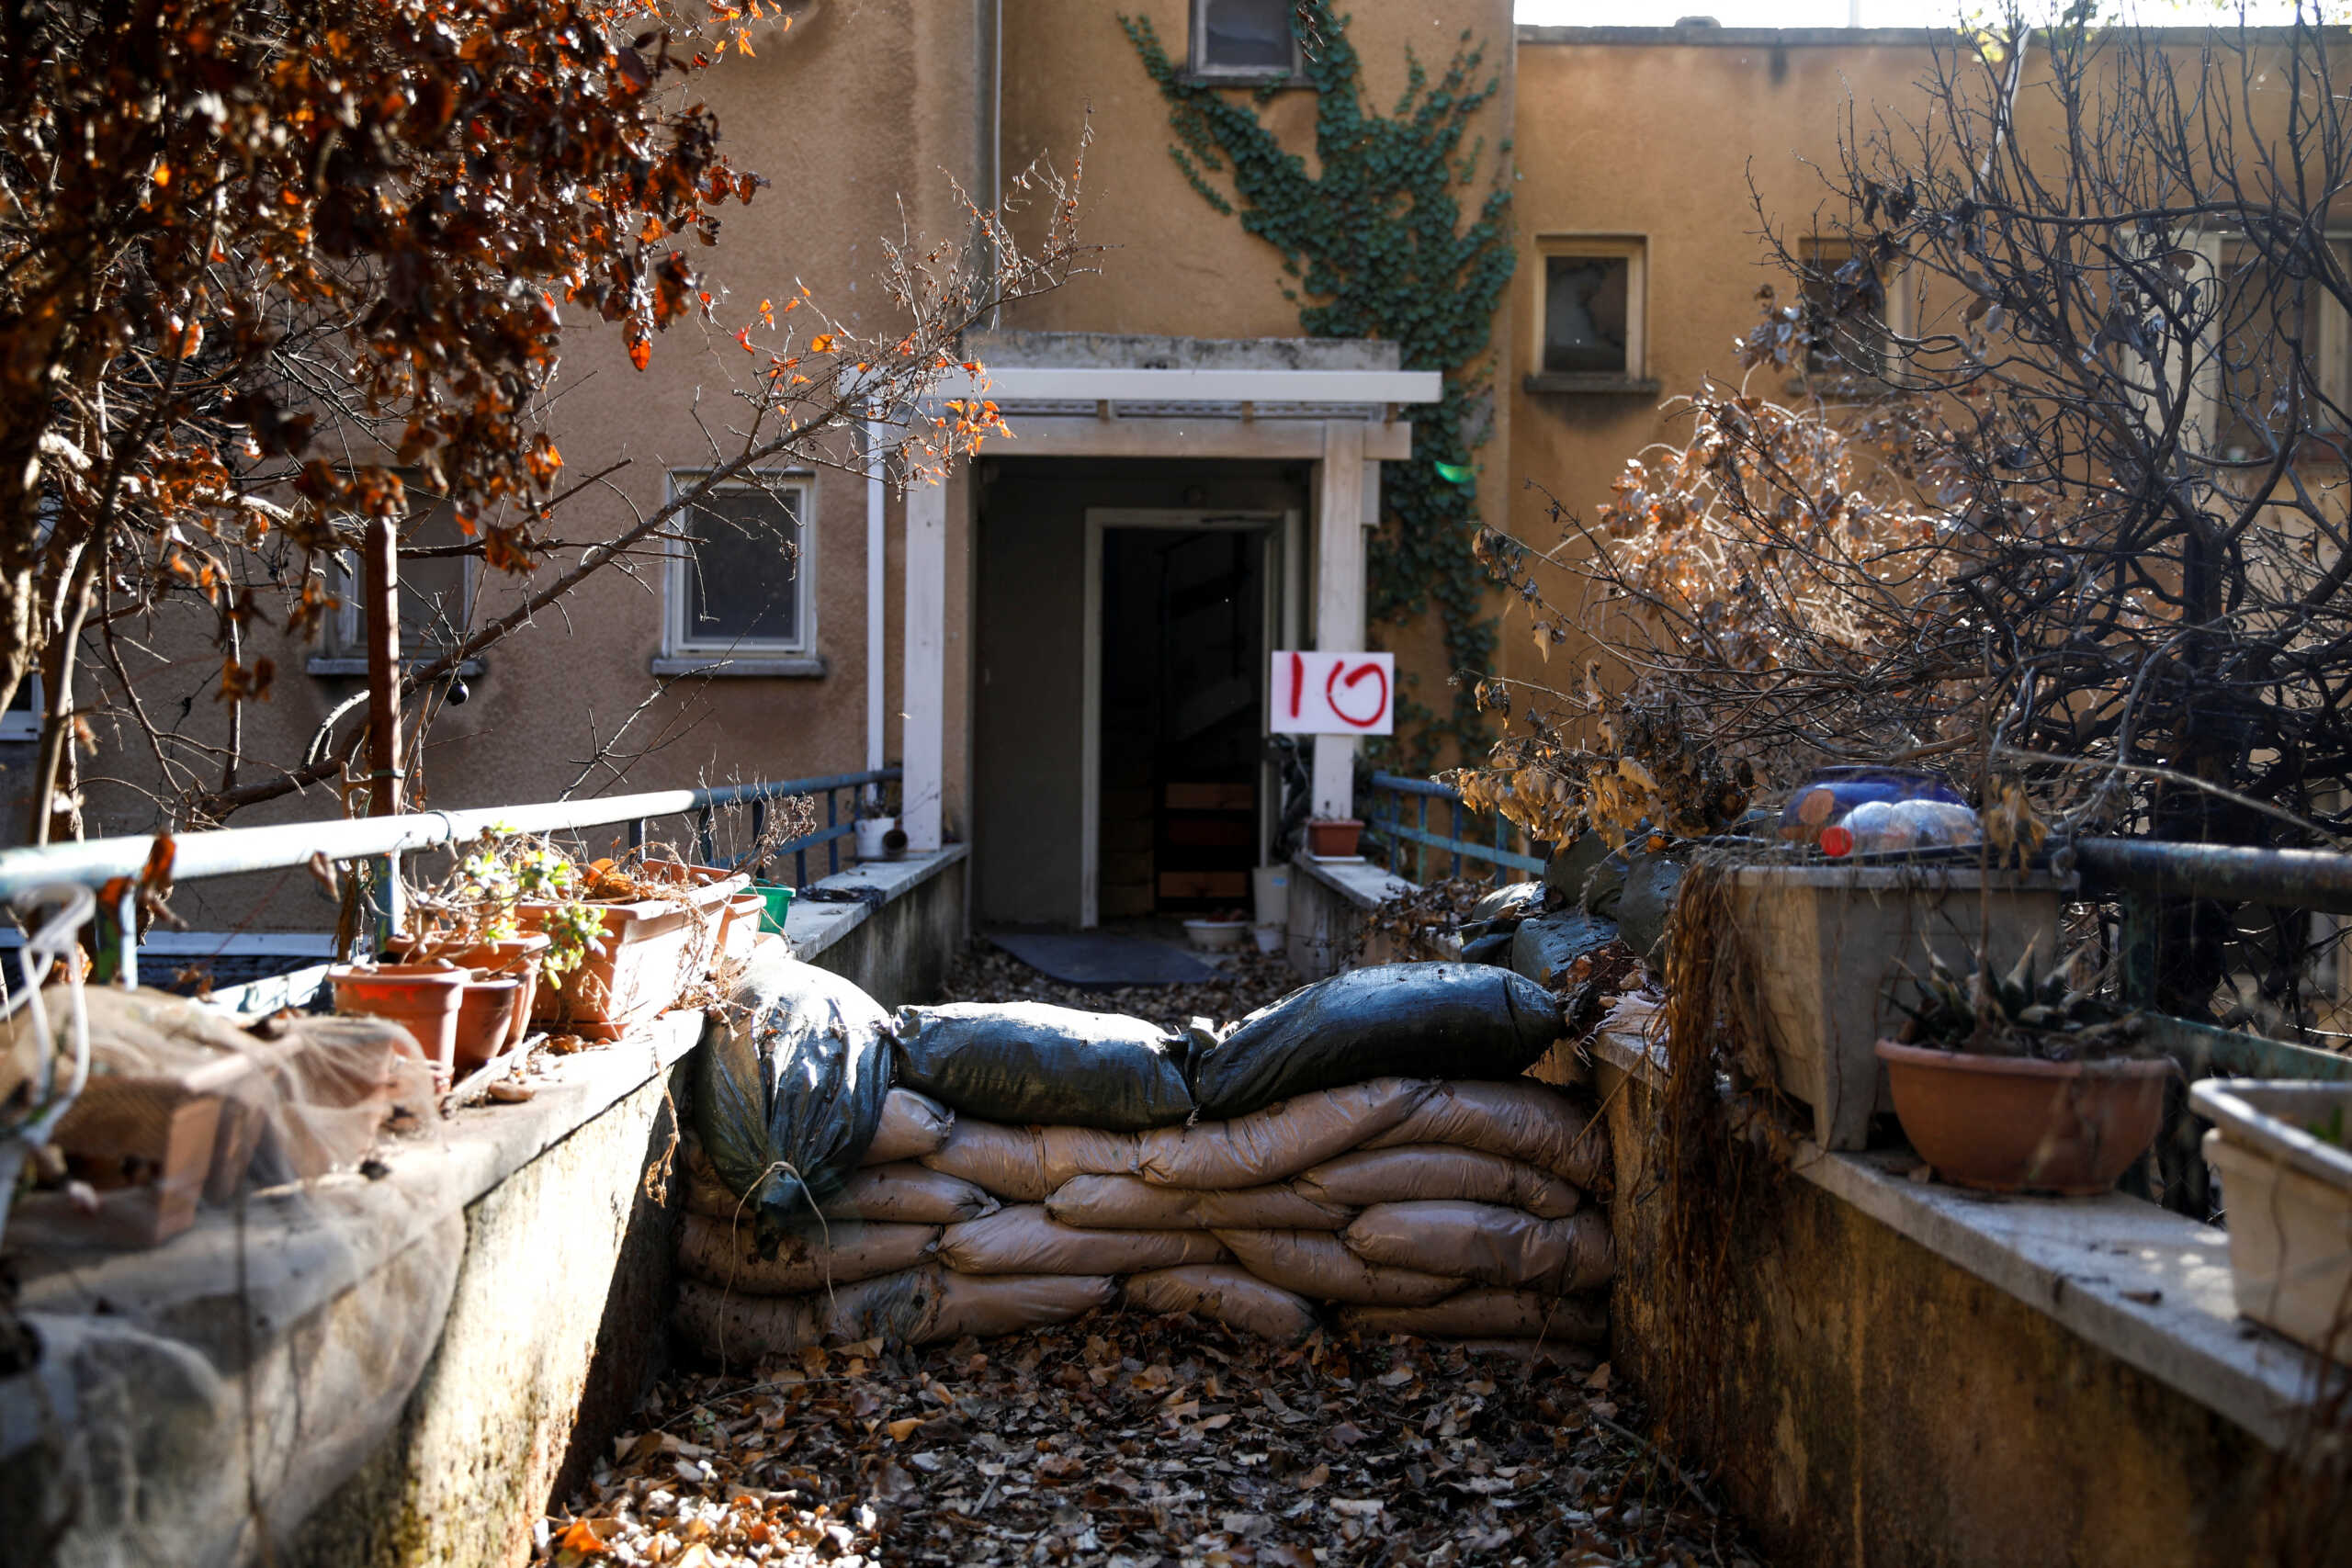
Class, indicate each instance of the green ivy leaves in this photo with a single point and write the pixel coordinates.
(1381, 249)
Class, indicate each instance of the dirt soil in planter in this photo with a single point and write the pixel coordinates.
(1143, 1442)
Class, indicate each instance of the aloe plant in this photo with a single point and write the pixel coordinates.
(2019, 1014)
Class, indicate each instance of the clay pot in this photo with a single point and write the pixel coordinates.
(423, 998)
(1333, 838)
(650, 950)
(516, 957)
(487, 1015)
(2011, 1124)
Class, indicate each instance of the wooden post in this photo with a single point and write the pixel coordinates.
(381, 601)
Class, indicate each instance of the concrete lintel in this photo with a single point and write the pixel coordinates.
(1012, 383)
(1060, 436)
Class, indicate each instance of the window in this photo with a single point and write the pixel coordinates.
(1589, 326)
(1243, 40)
(1847, 312)
(738, 576)
(436, 593)
(2263, 314)
(21, 719)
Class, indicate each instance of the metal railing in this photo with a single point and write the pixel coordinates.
(1393, 790)
(231, 851)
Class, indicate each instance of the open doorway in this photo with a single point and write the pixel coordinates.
(1185, 614)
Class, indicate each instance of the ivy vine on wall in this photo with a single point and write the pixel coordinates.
(1378, 245)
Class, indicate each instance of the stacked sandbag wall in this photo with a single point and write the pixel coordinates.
(1463, 1208)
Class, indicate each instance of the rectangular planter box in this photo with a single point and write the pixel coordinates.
(1827, 940)
(2289, 1199)
(651, 951)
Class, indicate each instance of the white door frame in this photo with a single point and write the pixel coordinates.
(1283, 622)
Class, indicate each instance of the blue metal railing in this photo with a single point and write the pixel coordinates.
(1393, 790)
(231, 851)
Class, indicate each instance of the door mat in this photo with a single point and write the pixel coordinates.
(1099, 958)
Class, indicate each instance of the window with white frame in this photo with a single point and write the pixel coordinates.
(740, 572)
(1590, 324)
(21, 719)
(437, 591)
(1244, 40)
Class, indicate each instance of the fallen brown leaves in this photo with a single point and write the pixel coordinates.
(1246, 981)
(1129, 1441)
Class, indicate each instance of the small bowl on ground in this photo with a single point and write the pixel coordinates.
(1215, 936)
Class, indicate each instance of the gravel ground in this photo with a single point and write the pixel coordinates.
(1246, 982)
(1141, 1442)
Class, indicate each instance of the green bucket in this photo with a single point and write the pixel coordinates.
(779, 901)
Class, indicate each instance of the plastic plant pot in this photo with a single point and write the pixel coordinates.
(516, 957)
(779, 902)
(423, 998)
(487, 1012)
(1333, 838)
(2014, 1125)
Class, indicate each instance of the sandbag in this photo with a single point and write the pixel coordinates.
(792, 1078)
(1487, 1243)
(1234, 1297)
(1413, 1172)
(1470, 1020)
(984, 1305)
(1025, 1240)
(904, 1193)
(1027, 1062)
(1278, 1142)
(710, 1251)
(1524, 1120)
(913, 1125)
(1545, 950)
(728, 1326)
(1129, 1203)
(1318, 1266)
(1024, 1165)
(1485, 1313)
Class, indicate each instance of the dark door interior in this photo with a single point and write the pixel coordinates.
(1183, 676)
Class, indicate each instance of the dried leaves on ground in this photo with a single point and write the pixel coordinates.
(1246, 981)
(1129, 1441)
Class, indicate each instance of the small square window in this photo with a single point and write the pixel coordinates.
(1244, 40)
(739, 575)
(437, 591)
(1846, 311)
(1588, 326)
(21, 719)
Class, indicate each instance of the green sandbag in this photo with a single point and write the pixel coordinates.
(1027, 1064)
(787, 1098)
(1424, 1021)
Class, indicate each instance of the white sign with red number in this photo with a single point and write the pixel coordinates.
(1335, 693)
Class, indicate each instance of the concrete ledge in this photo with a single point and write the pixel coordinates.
(1327, 900)
(1901, 1372)
(895, 936)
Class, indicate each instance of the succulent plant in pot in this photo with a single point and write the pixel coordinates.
(2013, 1081)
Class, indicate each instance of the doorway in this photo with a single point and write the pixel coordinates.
(1184, 609)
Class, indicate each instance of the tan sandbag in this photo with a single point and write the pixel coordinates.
(1024, 1165)
(1413, 1172)
(1521, 1119)
(706, 1193)
(1318, 1266)
(1023, 1239)
(912, 1126)
(1485, 1313)
(1279, 1141)
(709, 1251)
(1487, 1243)
(908, 1193)
(985, 1305)
(1129, 1203)
(728, 1326)
(1232, 1296)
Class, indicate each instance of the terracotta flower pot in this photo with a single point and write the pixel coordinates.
(516, 957)
(423, 998)
(2012, 1124)
(1333, 838)
(487, 1014)
(651, 950)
